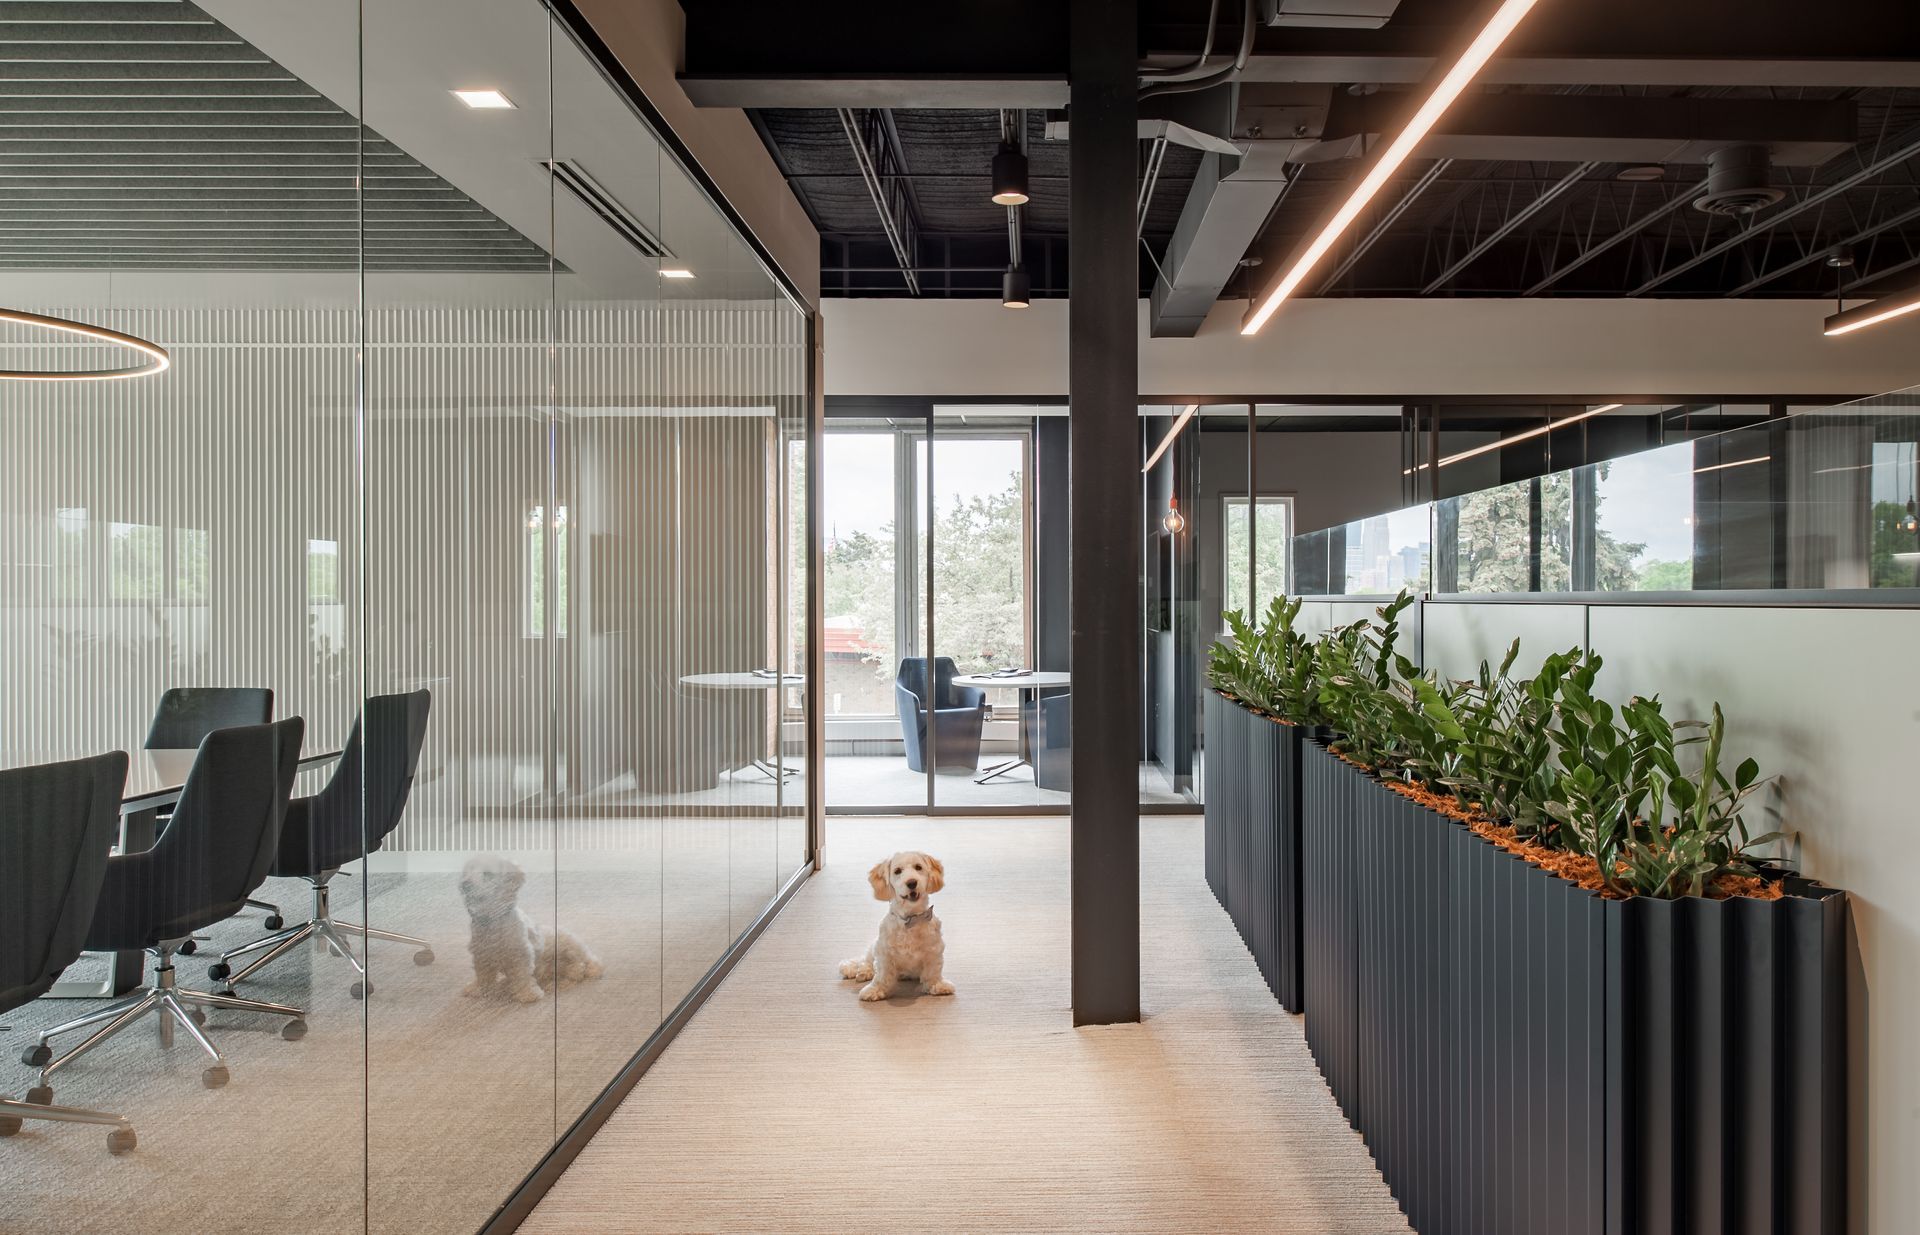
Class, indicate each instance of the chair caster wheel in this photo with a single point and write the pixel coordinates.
(214, 1077)
(293, 1031)
(10, 1124)
(360, 990)
(198, 1017)
(188, 948)
(423, 957)
(274, 922)
(37, 1056)
(218, 970)
(121, 1140)
(41, 1095)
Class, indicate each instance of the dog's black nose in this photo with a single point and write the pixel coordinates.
(913, 883)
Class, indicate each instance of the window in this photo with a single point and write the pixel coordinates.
(536, 572)
(979, 550)
(1272, 540)
(70, 553)
(136, 561)
(323, 572)
(191, 568)
(859, 577)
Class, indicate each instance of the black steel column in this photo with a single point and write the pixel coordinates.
(1102, 380)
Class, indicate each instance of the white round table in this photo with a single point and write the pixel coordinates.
(749, 680)
(1039, 679)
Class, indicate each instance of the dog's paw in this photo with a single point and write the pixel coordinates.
(473, 990)
(940, 988)
(530, 994)
(873, 992)
(857, 970)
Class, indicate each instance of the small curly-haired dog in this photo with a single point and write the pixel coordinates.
(909, 947)
(511, 950)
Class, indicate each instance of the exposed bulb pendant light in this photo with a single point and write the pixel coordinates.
(1173, 520)
(156, 356)
(1009, 177)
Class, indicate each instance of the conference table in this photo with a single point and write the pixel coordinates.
(1035, 680)
(155, 779)
(751, 679)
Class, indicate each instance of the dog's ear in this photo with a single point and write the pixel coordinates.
(882, 890)
(938, 878)
(516, 876)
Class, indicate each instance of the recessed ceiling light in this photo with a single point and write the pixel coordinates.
(484, 100)
(676, 274)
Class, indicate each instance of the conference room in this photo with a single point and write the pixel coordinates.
(399, 443)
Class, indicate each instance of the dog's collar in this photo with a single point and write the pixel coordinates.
(913, 919)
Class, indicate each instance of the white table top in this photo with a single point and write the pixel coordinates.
(156, 777)
(743, 681)
(1038, 679)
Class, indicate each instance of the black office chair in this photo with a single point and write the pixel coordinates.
(959, 715)
(1049, 722)
(188, 713)
(323, 832)
(218, 848)
(57, 823)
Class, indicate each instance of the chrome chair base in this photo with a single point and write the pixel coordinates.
(13, 1114)
(173, 1005)
(324, 927)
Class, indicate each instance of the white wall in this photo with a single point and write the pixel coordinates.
(1387, 348)
(1824, 698)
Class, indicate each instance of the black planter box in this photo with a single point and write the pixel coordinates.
(1252, 796)
(1523, 1056)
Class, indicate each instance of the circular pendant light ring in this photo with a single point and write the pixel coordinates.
(156, 361)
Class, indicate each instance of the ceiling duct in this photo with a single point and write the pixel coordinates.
(1329, 14)
(1737, 182)
(572, 177)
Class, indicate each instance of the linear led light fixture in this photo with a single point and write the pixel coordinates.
(1450, 87)
(1721, 467)
(1503, 443)
(156, 362)
(1186, 414)
(673, 272)
(1874, 312)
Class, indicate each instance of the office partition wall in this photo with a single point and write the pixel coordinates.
(488, 405)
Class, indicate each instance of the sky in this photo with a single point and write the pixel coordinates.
(857, 481)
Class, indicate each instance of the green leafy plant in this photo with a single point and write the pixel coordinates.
(1271, 667)
(1358, 673)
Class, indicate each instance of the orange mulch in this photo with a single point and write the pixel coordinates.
(1578, 869)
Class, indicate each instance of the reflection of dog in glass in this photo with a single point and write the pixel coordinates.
(509, 948)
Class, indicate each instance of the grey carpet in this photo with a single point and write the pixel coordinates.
(787, 1105)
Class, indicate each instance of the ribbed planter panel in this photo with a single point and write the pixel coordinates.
(1252, 795)
(1523, 1056)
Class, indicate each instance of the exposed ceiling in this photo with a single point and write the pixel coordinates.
(143, 134)
(1571, 171)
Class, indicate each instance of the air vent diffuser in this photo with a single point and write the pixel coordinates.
(574, 179)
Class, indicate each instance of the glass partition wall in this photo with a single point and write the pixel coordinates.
(483, 447)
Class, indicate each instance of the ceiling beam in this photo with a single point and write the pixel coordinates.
(1507, 228)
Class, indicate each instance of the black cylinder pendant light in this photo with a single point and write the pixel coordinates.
(1009, 177)
(1016, 289)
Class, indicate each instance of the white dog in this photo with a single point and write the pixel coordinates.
(509, 948)
(909, 946)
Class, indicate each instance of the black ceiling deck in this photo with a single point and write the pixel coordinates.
(146, 135)
(1598, 234)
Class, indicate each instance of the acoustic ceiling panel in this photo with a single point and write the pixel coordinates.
(141, 135)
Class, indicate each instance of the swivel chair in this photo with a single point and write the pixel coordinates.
(950, 717)
(218, 849)
(189, 713)
(57, 824)
(323, 833)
